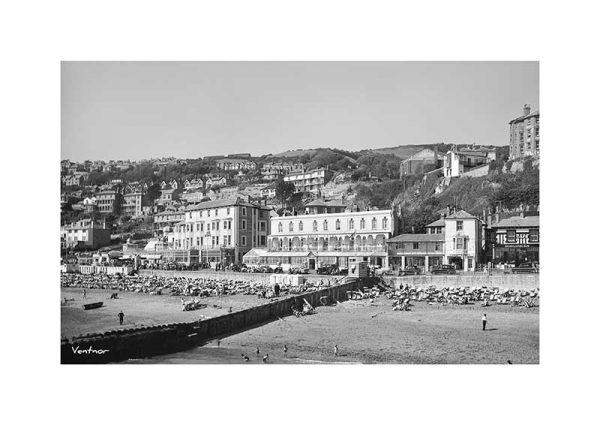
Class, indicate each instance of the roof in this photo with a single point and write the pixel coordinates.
(437, 223)
(295, 173)
(518, 221)
(171, 212)
(220, 203)
(472, 152)
(316, 203)
(524, 117)
(335, 203)
(320, 203)
(460, 214)
(418, 237)
(423, 154)
(256, 252)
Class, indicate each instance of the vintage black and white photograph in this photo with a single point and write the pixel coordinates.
(300, 212)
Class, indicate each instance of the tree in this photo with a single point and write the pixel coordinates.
(152, 194)
(284, 190)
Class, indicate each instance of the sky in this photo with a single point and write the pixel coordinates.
(142, 110)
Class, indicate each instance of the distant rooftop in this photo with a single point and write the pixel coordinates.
(418, 237)
(518, 221)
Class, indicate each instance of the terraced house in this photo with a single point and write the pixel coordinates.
(223, 230)
(454, 239)
(514, 240)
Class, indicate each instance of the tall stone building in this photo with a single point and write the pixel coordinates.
(525, 134)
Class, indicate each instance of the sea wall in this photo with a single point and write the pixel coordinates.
(505, 281)
(143, 342)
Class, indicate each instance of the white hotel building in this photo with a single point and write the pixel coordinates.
(311, 240)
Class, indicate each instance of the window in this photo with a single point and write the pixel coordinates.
(243, 224)
(351, 224)
(415, 245)
(385, 222)
(374, 223)
(459, 225)
(263, 240)
(362, 223)
(337, 225)
(459, 243)
(217, 239)
(263, 226)
(201, 227)
(228, 210)
(300, 226)
(280, 227)
(511, 236)
(201, 241)
(243, 240)
(325, 225)
(291, 226)
(315, 225)
(208, 213)
(438, 246)
(534, 235)
(197, 227)
(243, 210)
(216, 213)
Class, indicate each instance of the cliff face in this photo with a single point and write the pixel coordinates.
(513, 184)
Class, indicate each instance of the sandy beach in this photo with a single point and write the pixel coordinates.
(139, 309)
(371, 333)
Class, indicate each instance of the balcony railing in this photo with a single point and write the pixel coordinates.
(320, 249)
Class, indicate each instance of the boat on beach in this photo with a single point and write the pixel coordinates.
(91, 306)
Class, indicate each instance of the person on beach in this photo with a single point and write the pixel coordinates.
(285, 350)
(266, 358)
(335, 350)
(121, 316)
(245, 358)
(484, 321)
(257, 351)
(84, 293)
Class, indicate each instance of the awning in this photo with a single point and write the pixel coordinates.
(289, 254)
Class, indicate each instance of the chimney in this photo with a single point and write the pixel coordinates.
(526, 109)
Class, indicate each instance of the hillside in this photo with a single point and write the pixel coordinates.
(401, 151)
(421, 198)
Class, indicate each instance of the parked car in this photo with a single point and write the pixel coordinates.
(298, 270)
(526, 268)
(444, 269)
(410, 270)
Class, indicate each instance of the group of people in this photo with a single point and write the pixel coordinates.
(465, 295)
(187, 286)
(265, 358)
